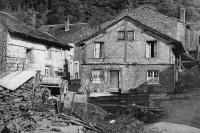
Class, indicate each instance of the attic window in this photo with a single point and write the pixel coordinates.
(131, 35)
(121, 35)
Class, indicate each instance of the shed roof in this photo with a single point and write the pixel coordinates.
(16, 26)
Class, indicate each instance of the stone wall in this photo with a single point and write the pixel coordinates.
(114, 49)
(3, 39)
(132, 63)
(133, 76)
(17, 56)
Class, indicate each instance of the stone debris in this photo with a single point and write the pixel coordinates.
(19, 114)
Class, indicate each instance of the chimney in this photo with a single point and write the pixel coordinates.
(67, 24)
(182, 14)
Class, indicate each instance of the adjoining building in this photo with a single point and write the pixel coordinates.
(23, 48)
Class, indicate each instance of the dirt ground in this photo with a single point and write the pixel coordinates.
(183, 108)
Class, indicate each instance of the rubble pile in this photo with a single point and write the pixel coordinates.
(14, 105)
(125, 123)
(19, 114)
(110, 123)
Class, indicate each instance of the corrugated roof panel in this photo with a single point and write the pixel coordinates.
(14, 80)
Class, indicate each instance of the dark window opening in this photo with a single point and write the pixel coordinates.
(29, 54)
(151, 49)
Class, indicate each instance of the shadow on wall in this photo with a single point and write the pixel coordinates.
(166, 83)
(189, 80)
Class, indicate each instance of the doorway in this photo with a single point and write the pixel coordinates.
(114, 80)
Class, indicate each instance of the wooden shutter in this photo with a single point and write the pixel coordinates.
(96, 50)
(147, 50)
(51, 70)
(102, 50)
(106, 76)
(155, 48)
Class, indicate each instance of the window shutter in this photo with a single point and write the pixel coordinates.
(51, 70)
(155, 48)
(106, 76)
(147, 50)
(102, 50)
(31, 56)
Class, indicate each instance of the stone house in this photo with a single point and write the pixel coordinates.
(137, 49)
(22, 47)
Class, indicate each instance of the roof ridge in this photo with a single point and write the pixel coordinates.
(165, 14)
(16, 25)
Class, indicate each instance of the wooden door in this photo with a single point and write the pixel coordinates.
(114, 80)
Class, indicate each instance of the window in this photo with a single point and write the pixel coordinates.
(131, 36)
(97, 76)
(121, 35)
(29, 55)
(48, 52)
(151, 49)
(153, 76)
(47, 70)
(76, 70)
(98, 49)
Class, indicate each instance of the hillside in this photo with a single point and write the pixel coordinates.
(44, 12)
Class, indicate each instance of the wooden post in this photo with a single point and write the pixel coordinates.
(36, 84)
(126, 42)
(72, 103)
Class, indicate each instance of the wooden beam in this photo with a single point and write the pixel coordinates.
(125, 43)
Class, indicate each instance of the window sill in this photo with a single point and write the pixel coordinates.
(30, 61)
(154, 84)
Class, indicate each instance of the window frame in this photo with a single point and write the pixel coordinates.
(100, 76)
(29, 54)
(132, 36)
(151, 46)
(49, 70)
(119, 38)
(100, 50)
(153, 74)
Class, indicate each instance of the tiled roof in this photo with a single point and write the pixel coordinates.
(151, 18)
(16, 26)
(76, 31)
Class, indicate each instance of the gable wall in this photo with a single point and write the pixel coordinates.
(136, 50)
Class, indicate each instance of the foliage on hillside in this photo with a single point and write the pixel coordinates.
(91, 11)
